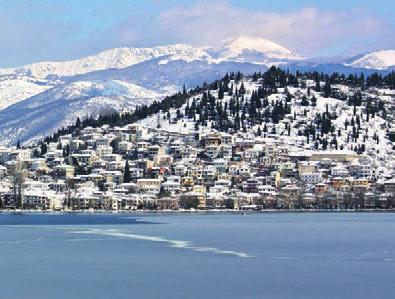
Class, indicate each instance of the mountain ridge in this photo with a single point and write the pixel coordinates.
(379, 60)
(139, 74)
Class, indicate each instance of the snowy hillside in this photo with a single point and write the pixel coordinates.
(18, 89)
(131, 76)
(379, 60)
(350, 129)
(42, 114)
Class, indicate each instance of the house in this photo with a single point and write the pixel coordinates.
(104, 150)
(266, 190)
(220, 164)
(193, 200)
(320, 188)
(338, 182)
(212, 139)
(180, 170)
(305, 167)
(172, 184)
(155, 150)
(34, 198)
(311, 178)
(339, 171)
(250, 186)
(226, 139)
(211, 150)
(148, 185)
(209, 174)
(64, 171)
(389, 186)
(167, 203)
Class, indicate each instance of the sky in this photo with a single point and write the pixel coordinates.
(39, 30)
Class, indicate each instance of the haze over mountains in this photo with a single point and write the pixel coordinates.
(38, 98)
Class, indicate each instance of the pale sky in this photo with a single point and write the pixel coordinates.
(36, 30)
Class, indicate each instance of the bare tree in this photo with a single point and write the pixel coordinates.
(71, 192)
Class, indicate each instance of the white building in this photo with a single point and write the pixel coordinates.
(311, 178)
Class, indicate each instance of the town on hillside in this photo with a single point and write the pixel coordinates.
(274, 140)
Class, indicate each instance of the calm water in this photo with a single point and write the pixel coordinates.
(197, 256)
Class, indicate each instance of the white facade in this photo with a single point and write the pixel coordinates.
(311, 178)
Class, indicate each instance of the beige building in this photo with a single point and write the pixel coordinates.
(149, 185)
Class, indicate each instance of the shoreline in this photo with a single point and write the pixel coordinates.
(195, 212)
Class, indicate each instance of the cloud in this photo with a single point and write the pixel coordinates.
(31, 32)
(310, 31)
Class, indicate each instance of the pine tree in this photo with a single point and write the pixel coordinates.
(304, 101)
(126, 173)
(43, 149)
(220, 92)
(317, 84)
(314, 101)
(327, 89)
(242, 89)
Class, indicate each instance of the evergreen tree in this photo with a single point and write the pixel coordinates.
(220, 92)
(305, 101)
(242, 89)
(126, 173)
(317, 84)
(314, 101)
(327, 89)
(43, 149)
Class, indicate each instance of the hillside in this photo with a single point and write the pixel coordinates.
(153, 73)
(38, 116)
(379, 60)
(301, 116)
(304, 112)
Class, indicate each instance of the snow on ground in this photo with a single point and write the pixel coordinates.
(246, 48)
(381, 153)
(379, 60)
(60, 106)
(15, 90)
(117, 58)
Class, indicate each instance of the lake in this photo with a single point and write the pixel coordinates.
(177, 255)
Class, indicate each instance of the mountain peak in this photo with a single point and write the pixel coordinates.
(257, 49)
(379, 59)
(253, 43)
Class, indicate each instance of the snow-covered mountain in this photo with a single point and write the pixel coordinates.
(39, 115)
(38, 98)
(379, 60)
(19, 88)
(115, 58)
(253, 49)
(249, 49)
